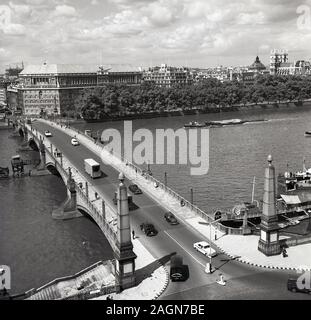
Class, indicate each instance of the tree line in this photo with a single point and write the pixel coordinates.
(119, 99)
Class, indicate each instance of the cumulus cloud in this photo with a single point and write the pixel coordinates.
(153, 29)
(14, 29)
(65, 11)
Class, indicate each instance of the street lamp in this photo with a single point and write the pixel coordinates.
(208, 268)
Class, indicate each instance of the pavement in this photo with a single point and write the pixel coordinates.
(243, 281)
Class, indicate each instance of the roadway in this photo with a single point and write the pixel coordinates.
(243, 281)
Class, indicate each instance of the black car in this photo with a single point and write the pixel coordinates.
(148, 229)
(135, 189)
(178, 271)
(170, 218)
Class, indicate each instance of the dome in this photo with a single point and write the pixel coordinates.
(257, 65)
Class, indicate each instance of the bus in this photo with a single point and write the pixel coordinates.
(92, 168)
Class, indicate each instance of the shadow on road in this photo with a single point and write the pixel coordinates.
(146, 271)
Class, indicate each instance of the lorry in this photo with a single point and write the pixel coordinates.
(178, 271)
(92, 168)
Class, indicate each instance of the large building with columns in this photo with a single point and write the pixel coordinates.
(57, 88)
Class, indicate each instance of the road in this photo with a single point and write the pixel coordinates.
(243, 281)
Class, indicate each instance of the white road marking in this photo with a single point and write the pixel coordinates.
(194, 258)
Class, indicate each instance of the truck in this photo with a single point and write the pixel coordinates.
(92, 168)
(178, 271)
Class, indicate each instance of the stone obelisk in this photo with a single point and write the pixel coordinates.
(125, 257)
(269, 229)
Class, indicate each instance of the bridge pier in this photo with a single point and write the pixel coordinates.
(124, 254)
(68, 209)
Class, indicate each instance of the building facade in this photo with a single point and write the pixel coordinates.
(167, 76)
(57, 88)
(3, 95)
(297, 68)
(277, 57)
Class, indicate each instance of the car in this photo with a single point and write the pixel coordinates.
(205, 248)
(47, 133)
(74, 142)
(135, 189)
(148, 229)
(170, 218)
(293, 286)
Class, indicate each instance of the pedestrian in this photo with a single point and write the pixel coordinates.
(133, 234)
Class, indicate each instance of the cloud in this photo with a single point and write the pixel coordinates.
(204, 31)
(14, 29)
(65, 11)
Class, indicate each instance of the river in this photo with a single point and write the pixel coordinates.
(37, 248)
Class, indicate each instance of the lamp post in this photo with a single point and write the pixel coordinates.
(208, 268)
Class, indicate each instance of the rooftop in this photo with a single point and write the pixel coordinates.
(257, 65)
(57, 69)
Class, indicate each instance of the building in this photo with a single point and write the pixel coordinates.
(167, 76)
(257, 68)
(58, 88)
(220, 73)
(3, 96)
(277, 57)
(297, 68)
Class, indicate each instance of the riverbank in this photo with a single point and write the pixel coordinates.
(196, 111)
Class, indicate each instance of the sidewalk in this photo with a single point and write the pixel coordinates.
(150, 288)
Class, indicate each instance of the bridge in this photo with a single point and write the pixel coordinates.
(82, 196)
(95, 197)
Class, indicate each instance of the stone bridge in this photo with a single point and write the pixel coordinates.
(113, 222)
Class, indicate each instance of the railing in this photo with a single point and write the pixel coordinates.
(160, 184)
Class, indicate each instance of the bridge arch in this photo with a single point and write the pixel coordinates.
(53, 170)
(33, 144)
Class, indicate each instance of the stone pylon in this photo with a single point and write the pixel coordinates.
(125, 257)
(269, 229)
(68, 209)
(42, 163)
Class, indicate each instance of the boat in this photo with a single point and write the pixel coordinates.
(4, 172)
(222, 123)
(308, 134)
(194, 124)
(232, 122)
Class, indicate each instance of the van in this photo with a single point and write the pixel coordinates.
(178, 271)
(92, 168)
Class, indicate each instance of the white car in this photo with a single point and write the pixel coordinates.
(74, 142)
(205, 248)
(47, 133)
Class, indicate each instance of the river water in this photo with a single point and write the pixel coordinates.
(236, 153)
(39, 249)
(36, 247)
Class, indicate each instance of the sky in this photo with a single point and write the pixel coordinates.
(197, 33)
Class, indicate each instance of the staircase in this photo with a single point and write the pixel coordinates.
(91, 279)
